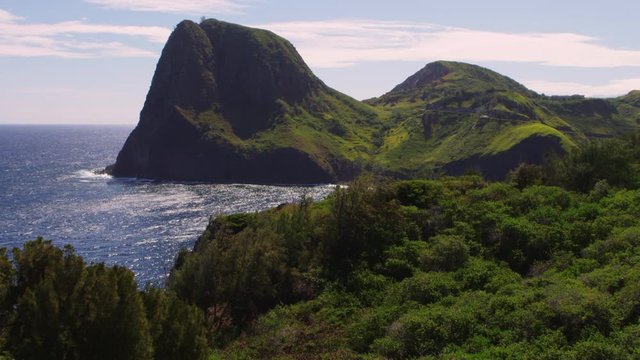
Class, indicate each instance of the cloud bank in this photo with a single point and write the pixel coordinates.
(69, 39)
(331, 43)
(341, 43)
(193, 7)
(609, 89)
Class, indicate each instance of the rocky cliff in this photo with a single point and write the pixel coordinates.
(232, 103)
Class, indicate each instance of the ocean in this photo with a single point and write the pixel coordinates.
(49, 187)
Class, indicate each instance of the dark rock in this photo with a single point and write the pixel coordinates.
(241, 75)
(531, 150)
(430, 73)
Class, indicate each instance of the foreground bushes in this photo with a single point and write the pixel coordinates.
(54, 306)
(452, 268)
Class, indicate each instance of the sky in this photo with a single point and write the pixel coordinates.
(92, 61)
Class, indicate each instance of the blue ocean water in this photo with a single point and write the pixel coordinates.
(49, 188)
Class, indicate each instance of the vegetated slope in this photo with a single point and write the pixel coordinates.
(598, 117)
(231, 103)
(462, 116)
(455, 117)
(455, 268)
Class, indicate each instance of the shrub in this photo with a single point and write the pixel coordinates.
(448, 252)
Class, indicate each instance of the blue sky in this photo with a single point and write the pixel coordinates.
(91, 61)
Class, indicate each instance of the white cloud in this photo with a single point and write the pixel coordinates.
(6, 16)
(68, 39)
(43, 90)
(194, 7)
(609, 89)
(340, 43)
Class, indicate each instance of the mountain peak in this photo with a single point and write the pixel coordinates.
(238, 70)
(451, 74)
(233, 103)
(430, 73)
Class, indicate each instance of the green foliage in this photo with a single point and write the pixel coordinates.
(56, 307)
(582, 168)
(67, 310)
(176, 328)
(420, 193)
(526, 175)
(424, 288)
(448, 253)
(364, 221)
(7, 280)
(239, 272)
(450, 268)
(248, 270)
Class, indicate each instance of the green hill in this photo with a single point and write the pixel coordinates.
(459, 116)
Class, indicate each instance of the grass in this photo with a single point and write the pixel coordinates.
(514, 135)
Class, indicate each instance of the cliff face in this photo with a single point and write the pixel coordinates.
(218, 92)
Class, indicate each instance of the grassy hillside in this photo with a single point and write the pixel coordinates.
(300, 111)
(328, 126)
(451, 111)
(233, 103)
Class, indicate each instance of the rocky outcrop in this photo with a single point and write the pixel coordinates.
(531, 150)
(247, 78)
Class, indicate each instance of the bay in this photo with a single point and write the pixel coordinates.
(49, 187)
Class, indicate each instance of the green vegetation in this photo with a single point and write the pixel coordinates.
(54, 306)
(453, 268)
(608, 162)
(452, 111)
(512, 136)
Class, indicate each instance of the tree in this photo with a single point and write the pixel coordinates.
(59, 308)
(177, 328)
(365, 220)
(582, 168)
(526, 175)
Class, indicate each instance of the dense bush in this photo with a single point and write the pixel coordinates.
(455, 268)
(613, 160)
(54, 306)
